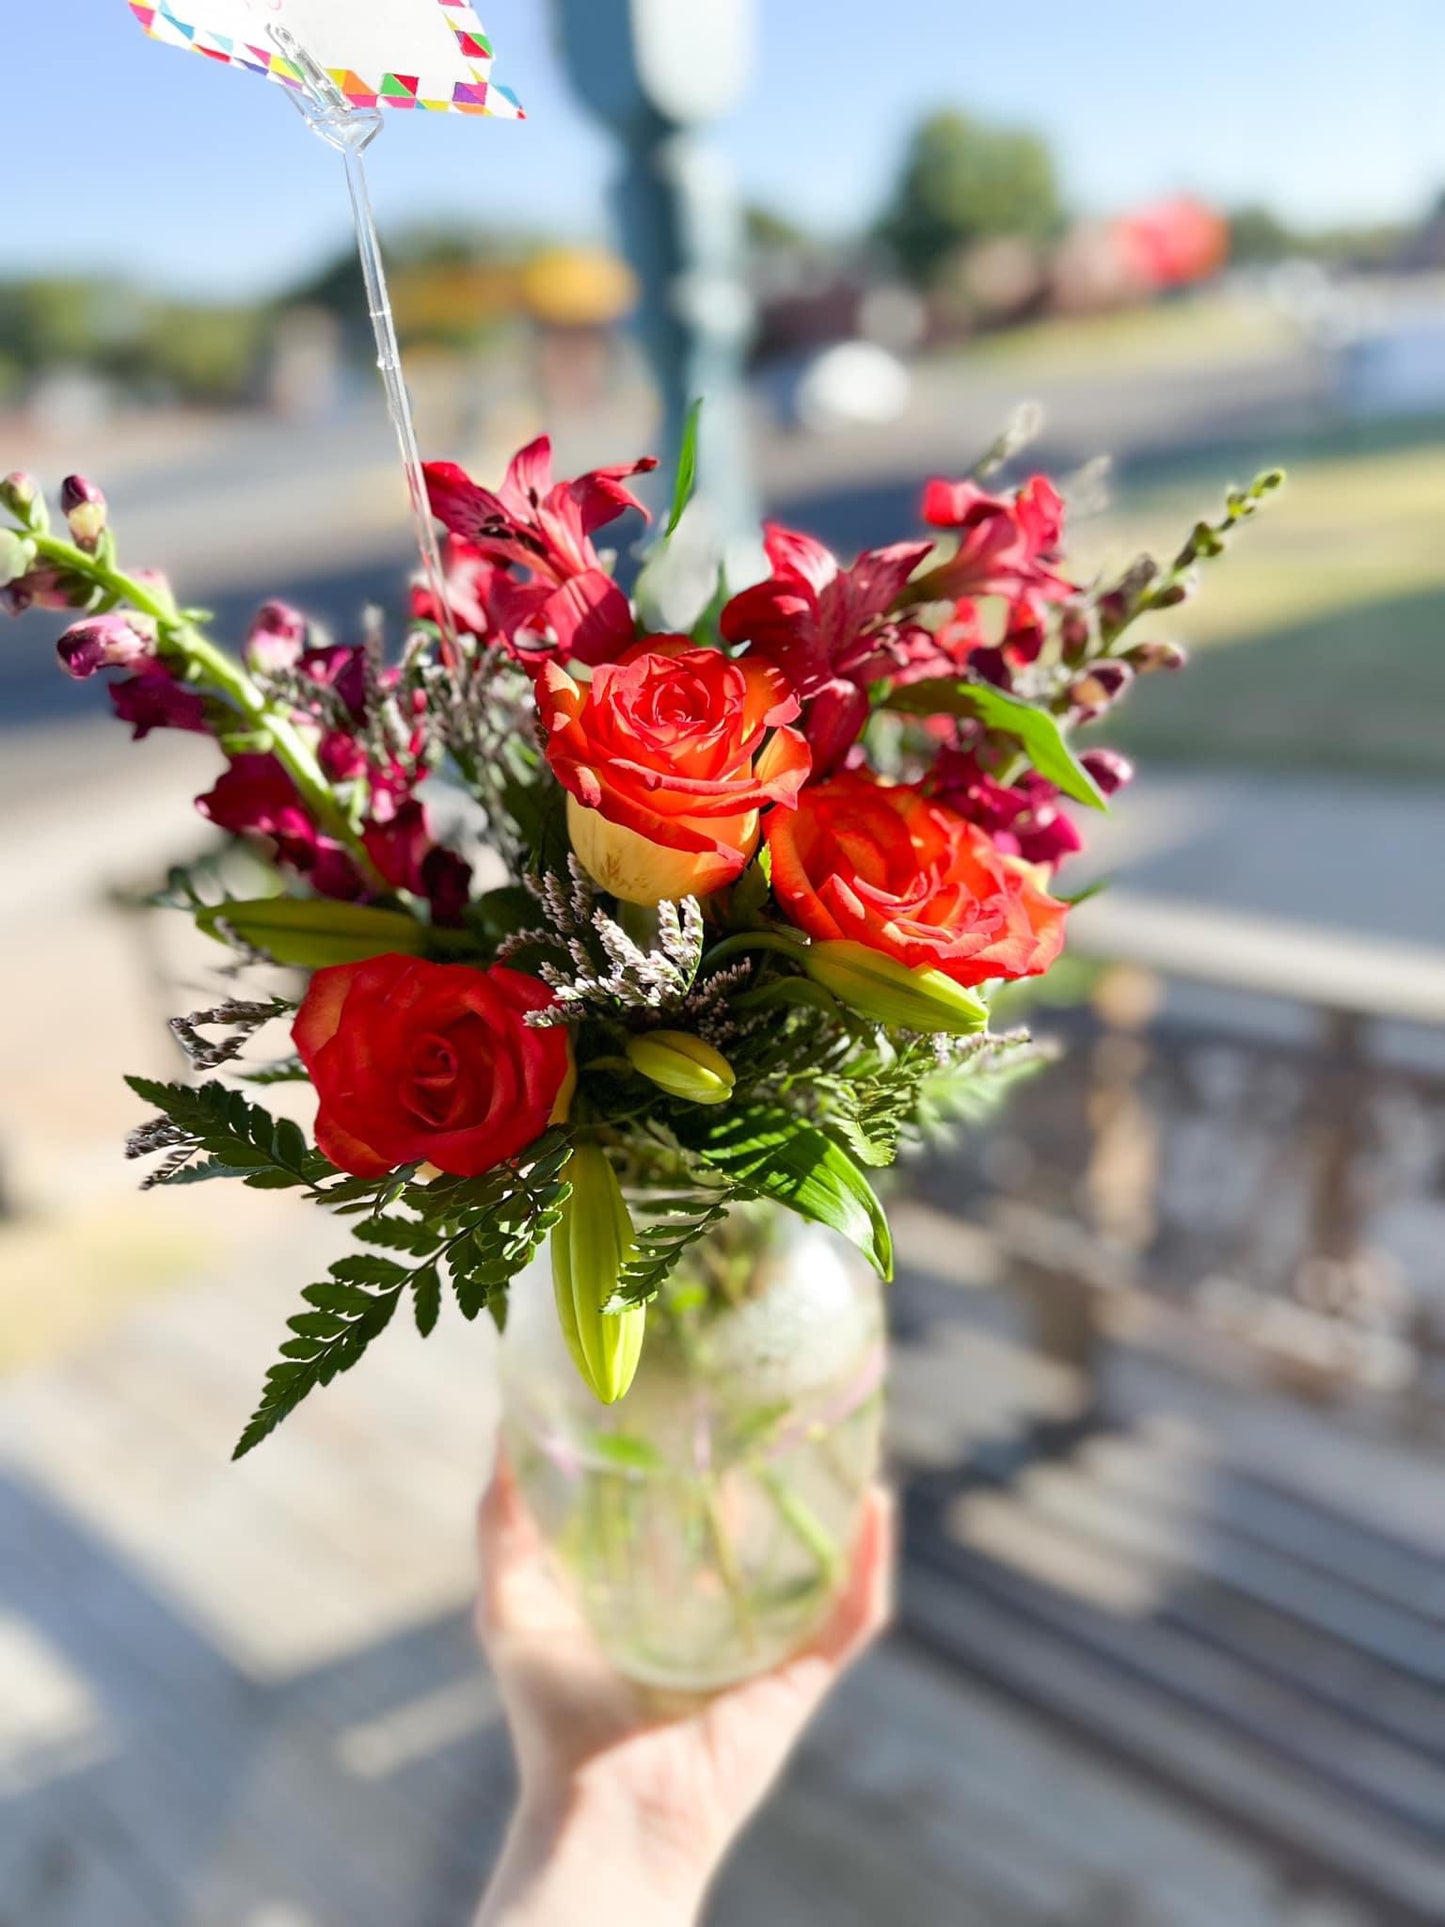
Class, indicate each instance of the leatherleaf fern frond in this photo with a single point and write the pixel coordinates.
(209, 1131)
(475, 1233)
(660, 1243)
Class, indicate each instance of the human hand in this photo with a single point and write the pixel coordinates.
(629, 1800)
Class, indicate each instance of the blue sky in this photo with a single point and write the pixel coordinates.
(205, 180)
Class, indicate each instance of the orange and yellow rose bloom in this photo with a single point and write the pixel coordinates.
(884, 865)
(669, 759)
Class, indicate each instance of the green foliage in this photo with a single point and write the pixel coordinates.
(353, 1307)
(765, 1151)
(876, 1098)
(971, 1091)
(311, 932)
(686, 469)
(1037, 732)
(478, 1232)
(286, 1070)
(198, 351)
(965, 180)
(230, 1136)
(485, 1229)
(658, 1246)
(1146, 587)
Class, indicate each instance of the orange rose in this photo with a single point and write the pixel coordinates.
(669, 757)
(884, 865)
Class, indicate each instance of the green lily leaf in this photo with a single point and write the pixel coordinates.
(686, 470)
(1039, 733)
(771, 1153)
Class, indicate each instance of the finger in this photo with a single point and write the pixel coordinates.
(517, 1591)
(866, 1605)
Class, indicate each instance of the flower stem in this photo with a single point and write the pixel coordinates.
(753, 940)
(223, 674)
(803, 1522)
(726, 1558)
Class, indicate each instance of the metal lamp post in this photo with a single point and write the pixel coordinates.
(657, 72)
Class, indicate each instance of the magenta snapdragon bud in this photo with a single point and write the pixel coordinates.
(277, 638)
(1109, 769)
(84, 508)
(157, 586)
(1074, 637)
(992, 665)
(20, 494)
(45, 587)
(1147, 657)
(155, 700)
(107, 642)
(1103, 683)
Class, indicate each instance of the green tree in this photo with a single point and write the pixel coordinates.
(1257, 234)
(967, 180)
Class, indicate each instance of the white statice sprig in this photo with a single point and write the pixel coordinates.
(594, 960)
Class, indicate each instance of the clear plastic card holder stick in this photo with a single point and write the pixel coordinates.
(351, 130)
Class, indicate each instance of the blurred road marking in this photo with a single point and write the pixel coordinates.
(377, 1748)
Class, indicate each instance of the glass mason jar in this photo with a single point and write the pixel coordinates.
(705, 1520)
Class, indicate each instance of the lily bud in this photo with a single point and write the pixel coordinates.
(682, 1065)
(1146, 657)
(590, 1245)
(20, 494)
(107, 642)
(84, 507)
(17, 553)
(887, 992)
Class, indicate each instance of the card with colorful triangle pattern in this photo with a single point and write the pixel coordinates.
(427, 54)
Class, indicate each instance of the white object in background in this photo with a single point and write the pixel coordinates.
(855, 383)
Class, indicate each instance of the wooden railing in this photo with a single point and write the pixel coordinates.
(1225, 1186)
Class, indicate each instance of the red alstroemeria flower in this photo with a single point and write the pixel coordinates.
(569, 606)
(829, 629)
(1007, 545)
(471, 582)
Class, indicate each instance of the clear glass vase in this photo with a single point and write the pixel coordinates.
(706, 1518)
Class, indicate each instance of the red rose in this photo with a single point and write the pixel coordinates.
(425, 1062)
(884, 865)
(669, 756)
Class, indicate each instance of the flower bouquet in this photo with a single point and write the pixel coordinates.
(712, 935)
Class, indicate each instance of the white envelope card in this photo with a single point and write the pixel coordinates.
(431, 54)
